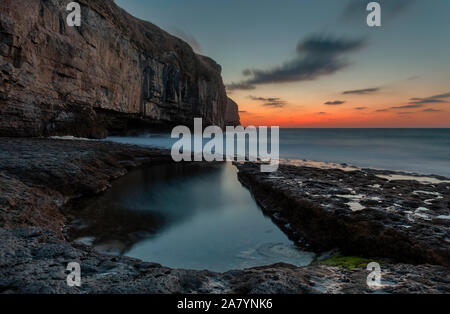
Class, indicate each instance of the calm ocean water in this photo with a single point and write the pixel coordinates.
(424, 151)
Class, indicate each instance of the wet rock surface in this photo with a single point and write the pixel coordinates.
(38, 176)
(34, 261)
(360, 211)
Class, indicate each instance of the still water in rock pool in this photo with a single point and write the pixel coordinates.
(183, 216)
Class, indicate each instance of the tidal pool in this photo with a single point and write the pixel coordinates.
(183, 216)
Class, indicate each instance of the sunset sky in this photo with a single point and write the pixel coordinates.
(316, 63)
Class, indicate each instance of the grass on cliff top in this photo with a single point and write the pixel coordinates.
(347, 262)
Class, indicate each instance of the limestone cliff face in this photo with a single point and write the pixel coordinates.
(232, 113)
(113, 73)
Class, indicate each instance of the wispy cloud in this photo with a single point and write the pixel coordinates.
(315, 56)
(426, 101)
(446, 95)
(412, 78)
(335, 103)
(270, 101)
(417, 102)
(441, 98)
(362, 91)
(321, 113)
(360, 108)
(412, 106)
(241, 85)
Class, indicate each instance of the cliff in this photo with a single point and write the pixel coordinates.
(113, 73)
(232, 114)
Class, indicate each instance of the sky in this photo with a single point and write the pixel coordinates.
(316, 63)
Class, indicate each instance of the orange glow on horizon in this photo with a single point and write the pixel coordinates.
(345, 116)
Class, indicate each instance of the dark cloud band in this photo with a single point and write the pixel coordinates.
(361, 91)
(335, 103)
(270, 101)
(316, 56)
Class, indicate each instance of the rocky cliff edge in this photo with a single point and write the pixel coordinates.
(112, 74)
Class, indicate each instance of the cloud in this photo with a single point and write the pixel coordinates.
(242, 111)
(360, 108)
(417, 102)
(242, 86)
(412, 106)
(335, 103)
(431, 100)
(432, 110)
(426, 101)
(270, 102)
(276, 104)
(321, 113)
(362, 91)
(404, 112)
(356, 10)
(270, 99)
(189, 38)
(319, 44)
(315, 56)
(446, 95)
(412, 78)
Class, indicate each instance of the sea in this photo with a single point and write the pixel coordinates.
(421, 151)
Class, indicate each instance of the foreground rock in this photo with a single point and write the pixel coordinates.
(38, 176)
(113, 73)
(35, 261)
(362, 212)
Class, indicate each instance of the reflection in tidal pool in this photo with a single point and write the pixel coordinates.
(184, 216)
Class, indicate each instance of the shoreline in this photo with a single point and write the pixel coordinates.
(408, 175)
(364, 215)
(39, 176)
(313, 163)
